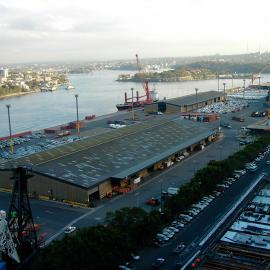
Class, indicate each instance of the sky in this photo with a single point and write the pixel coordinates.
(92, 30)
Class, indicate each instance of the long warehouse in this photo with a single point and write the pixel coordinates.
(186, 103)
(93, 167)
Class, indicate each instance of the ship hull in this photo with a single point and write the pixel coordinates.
(127, 106)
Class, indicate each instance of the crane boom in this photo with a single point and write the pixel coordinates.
(258, 75)
(145, 84)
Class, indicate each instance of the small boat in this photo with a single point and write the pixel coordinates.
(70, 87)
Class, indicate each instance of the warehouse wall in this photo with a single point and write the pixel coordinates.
(5, 181)
(151, 108)
(43, 185)
(104, 188)
(46, 186)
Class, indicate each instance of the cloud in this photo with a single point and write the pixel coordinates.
(60, 29)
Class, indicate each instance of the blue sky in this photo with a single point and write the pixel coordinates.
(51, 30)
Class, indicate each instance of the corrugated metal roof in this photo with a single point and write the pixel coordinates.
(191, 99)
(162, 155)
(117, 153)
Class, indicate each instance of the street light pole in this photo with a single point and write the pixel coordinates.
(161, 187)
(9, 125)
(244, 88)
(218, 81)
(196, 90)
(224, 85)
(77, 110)
(132, 108)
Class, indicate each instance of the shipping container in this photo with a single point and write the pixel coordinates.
(90, 117)
(51, 130)
(17, 135)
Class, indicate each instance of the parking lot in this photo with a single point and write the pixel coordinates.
(30, 144)
(231, 105)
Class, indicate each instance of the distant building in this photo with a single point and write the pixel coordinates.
(3, 72)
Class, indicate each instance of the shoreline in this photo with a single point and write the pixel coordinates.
(180, 81)
(18, 94)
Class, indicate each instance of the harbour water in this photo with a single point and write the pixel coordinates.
(98, 94)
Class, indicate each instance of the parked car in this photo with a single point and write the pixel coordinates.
(135, 257)
(153, 201)
(158, 262)
(179, 248)
(70, 229)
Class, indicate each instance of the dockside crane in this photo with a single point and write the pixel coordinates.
(18, 227)
(145, 84)
(149, 96)
(258, 75)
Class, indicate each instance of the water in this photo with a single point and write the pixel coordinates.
(98, 94)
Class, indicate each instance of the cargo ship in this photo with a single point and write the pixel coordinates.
(135, 102)
(253, 92)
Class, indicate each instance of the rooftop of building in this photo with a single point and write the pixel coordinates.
(192, 99)
(247, 241)
(118, 153)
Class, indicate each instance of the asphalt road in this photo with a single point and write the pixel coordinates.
(51, 215)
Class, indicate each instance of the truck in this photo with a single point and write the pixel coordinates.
(239, 119)
(172, 191)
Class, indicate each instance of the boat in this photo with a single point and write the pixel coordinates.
(70, 87)
(253, 92)
(151, 97)
(128, 106)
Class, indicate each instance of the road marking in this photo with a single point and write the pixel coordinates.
(49, 240)
(190, 260)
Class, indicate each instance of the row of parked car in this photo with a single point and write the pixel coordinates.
(183, 219)
(231, 105)
(39, 146)
(15, 141)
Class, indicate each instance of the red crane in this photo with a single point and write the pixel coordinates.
(258, 75)
(145, 84)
